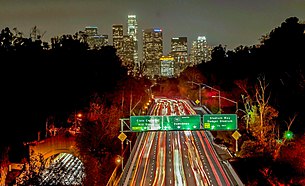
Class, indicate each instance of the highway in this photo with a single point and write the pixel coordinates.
(178, 157)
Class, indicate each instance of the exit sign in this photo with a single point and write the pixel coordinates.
(220, 121)
(150, 123)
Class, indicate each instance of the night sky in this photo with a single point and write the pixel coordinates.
(227, 22)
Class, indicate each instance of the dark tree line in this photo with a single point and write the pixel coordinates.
(40, 80)
(37, 82)
(280, 57)
(271, 102)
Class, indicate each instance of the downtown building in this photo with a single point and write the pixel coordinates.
(118, 38)
(152, 51)
(167, 66)
(132, 31)
(179, 51)
(95, 40)
(200, 51)
(127, 45)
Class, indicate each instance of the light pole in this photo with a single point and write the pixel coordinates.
(121, 160)
(199, 84)
(150, 89)
(219, 101)
(128, 141)
(228, 100)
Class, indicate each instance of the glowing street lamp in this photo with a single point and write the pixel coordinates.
(119, 160)
(128, 142)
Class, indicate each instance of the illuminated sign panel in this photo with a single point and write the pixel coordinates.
(220, 121)
(148, 123)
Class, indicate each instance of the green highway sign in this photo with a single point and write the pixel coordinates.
(220, 121)
(148, 123)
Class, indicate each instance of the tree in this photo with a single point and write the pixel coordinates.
(98, 140)
(288, 135)
(32, 170)
(6, 38)
(266, 112)
(260, 119)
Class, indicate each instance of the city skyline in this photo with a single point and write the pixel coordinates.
(230, 24)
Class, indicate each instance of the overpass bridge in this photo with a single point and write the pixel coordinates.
(54, 145)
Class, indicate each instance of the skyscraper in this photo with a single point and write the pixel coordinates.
(179, 51)
(127, 55)
(94, 40)
(200, 51)
(152, 51)
(132, 30)
(117, 37)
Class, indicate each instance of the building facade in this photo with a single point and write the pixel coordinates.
(132, 30)
(179, 51)
(128, 49)
(167, 66)
(152, 51)
(117, 38)
(95, 40)
(200, 51)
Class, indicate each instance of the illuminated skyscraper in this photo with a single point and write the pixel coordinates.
(128, 51)
(132, 30)
(94, 40)
(117, 36)
(152, 51)
(200, 51)
(179, 51)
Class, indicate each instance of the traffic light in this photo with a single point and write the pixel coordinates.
(288, 135)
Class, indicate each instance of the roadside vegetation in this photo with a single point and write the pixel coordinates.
(267, 80)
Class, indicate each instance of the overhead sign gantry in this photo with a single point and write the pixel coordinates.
(150, 123)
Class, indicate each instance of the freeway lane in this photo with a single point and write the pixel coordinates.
(175, 157)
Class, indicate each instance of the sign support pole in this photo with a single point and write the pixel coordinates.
(236, 145)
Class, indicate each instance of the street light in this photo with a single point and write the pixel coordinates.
(219, 101)
(150, 89)
(120, 160)
(228, 100)
(199, 84)
(128, 141)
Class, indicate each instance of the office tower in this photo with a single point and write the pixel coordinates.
(179, 49)
(152, 51)
(200, 51)
(179, 52)
(127, 55)
(117, 37)
(167, 66)
(132, 30)
(94, 40)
